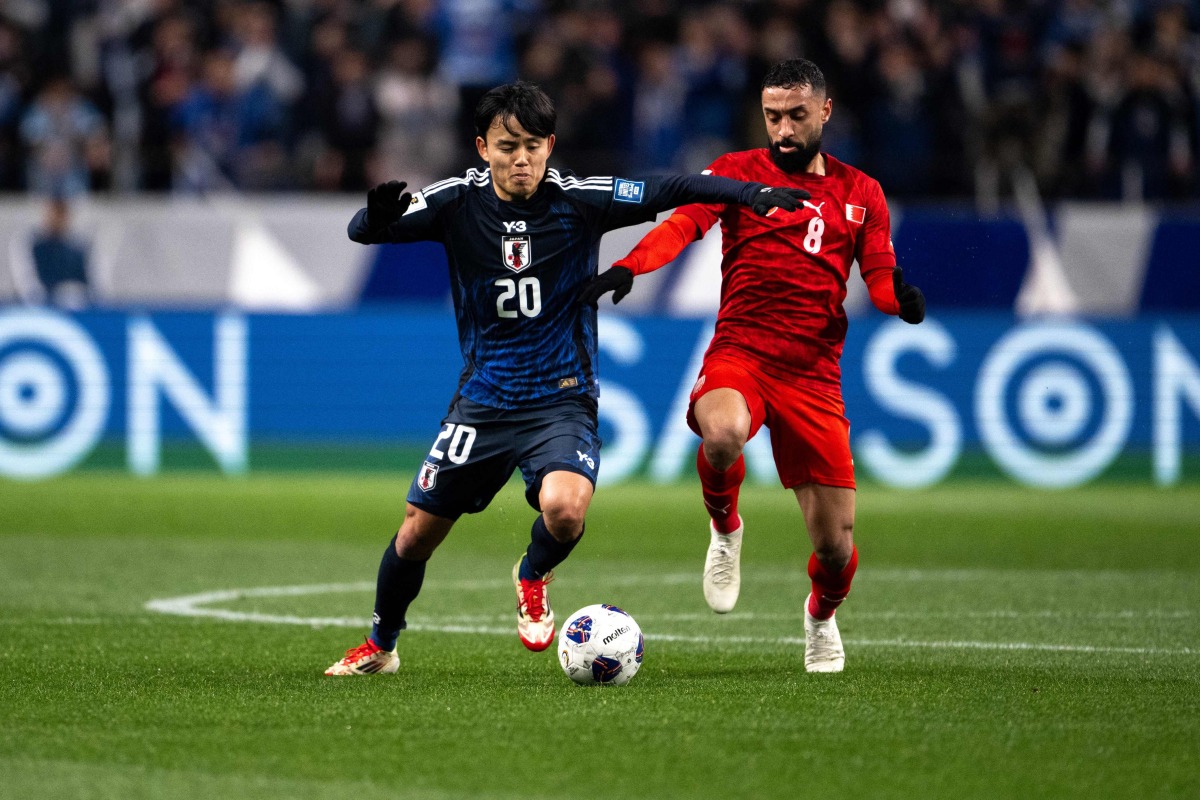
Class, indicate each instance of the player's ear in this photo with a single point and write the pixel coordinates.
(549, 145)
(826, 110)
(481, 147)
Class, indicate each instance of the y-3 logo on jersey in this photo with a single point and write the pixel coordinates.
(516, 251)
(515, 227)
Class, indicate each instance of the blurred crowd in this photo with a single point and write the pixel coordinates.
(935, 98)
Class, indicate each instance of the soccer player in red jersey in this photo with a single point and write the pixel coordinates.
(774, 357)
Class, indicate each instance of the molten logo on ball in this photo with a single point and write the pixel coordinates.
(600, 644)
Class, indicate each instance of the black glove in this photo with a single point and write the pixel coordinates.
(386, 203)
(618, 280)
(769, 197)
(912, 301)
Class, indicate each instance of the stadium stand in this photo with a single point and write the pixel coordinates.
(936, 99)
(263, 120)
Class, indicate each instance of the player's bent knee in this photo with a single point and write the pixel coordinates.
(723, 446)
(564, 500)
(835, 552)
(564, 520)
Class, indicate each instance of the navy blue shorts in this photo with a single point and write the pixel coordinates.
(479, 447)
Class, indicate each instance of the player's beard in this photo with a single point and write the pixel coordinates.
(797, 160)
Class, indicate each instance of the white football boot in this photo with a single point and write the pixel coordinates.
(366, 659)
(822, 643)
(535, 619)
(722, 569)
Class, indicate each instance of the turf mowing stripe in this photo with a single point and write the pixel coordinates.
(949, 645)
(700, 616)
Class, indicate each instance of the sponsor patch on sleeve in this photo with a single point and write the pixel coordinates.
(417, 203)
(628, 191)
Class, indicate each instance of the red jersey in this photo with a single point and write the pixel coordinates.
(783, 276)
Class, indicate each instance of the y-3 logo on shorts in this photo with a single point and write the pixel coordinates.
(585, 458)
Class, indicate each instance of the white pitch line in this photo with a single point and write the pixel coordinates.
(194, 606)
(763, 575)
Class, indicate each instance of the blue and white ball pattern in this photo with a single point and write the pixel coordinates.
(600, 644)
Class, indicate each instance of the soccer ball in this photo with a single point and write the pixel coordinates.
(600, 644)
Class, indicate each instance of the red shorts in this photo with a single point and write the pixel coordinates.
(810, 435)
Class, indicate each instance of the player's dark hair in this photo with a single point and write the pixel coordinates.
(522, 100)
(793, 73)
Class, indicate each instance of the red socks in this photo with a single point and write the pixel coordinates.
(721, 491)
(829, 589)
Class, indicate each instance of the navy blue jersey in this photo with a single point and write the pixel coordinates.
(516, 269)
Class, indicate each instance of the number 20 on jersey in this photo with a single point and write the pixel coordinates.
(519, 298)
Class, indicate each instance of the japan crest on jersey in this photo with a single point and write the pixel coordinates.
(427, 477)
(517, 252)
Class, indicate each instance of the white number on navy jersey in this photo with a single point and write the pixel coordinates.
(816, 228)
(528, 294)
(461, 438)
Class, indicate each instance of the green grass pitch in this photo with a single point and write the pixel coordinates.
(1000, 643)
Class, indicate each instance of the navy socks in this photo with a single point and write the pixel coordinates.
(400, 580)
(544, 552)
(398, 585)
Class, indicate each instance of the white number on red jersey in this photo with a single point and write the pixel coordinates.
(816, 228)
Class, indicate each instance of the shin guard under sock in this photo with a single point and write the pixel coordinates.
(544, 552)
(398, 584)
(720, 491)
(829, 589)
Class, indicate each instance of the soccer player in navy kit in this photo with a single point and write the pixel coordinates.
(521, 241)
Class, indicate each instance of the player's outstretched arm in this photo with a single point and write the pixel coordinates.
(669, 191)
(657, 248)
(618, 280)
(386, 204)
(769, 198)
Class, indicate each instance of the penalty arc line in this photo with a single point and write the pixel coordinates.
(195, 606)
